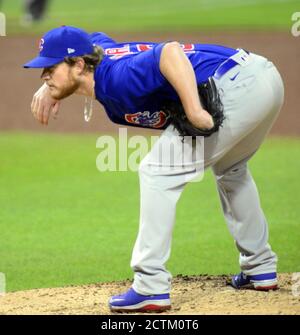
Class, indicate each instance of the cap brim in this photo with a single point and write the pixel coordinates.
(41, 62)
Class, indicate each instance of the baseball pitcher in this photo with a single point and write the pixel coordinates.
(230, 96)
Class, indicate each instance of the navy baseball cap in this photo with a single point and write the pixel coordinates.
(59, 43)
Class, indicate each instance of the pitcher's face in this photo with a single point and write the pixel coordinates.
(61, 80)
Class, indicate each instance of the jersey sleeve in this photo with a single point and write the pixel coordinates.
(137, 76)
(102, 39)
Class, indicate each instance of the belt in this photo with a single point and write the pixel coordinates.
(239, 58)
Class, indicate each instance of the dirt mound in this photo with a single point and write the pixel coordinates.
(198, 295)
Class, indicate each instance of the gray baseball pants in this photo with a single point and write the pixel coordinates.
(252, 101)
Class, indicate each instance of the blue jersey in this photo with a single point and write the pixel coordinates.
(130, 86)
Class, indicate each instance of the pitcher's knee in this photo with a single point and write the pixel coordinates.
(145, 169)
(235, 173)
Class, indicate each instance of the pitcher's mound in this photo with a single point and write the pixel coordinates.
(190, 295)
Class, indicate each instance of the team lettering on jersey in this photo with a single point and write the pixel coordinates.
(128, 49)
(125, 50)
(154, 120)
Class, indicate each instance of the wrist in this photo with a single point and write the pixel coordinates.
(201, 119)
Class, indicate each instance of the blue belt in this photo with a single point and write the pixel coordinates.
(225, 67)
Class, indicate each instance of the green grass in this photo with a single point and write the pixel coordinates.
(158, 15)
(63, 222)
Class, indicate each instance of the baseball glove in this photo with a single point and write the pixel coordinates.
(211, 102)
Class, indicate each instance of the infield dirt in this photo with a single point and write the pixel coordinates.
(17, 85)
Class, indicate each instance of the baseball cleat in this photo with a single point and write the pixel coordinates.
(132, 301)
(261, 282)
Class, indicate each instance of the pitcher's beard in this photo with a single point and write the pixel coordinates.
(64, 92)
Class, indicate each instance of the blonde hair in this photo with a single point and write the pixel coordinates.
(91, 60)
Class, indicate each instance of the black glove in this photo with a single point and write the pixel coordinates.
(211, 102)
